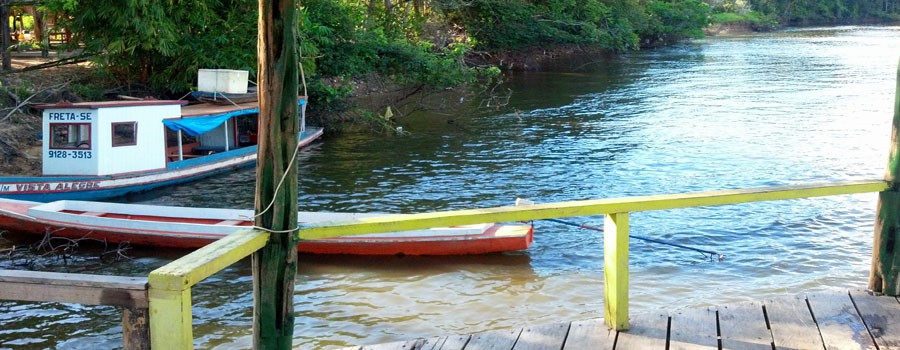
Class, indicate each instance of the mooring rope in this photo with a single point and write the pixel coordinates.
(272, 202)
(709, 253)
(291, 164)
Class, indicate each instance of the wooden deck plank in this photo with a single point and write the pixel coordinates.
(881, 316)
(839, 323)
(792, 324)
(743, 326)
(545, 337)
(453, 342)
(495, 340)
(853, 320)
(401, 345)
(694, 329)
(590, 334)
(646, 332)
(42, 286)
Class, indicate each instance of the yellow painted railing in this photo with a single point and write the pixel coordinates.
(170, 286)
(584, 208)
(170, 307)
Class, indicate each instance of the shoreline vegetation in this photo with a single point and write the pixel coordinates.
(363, 61)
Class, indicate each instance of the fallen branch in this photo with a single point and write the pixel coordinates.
(25, 102)
(62, 62)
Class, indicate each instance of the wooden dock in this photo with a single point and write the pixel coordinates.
(851, 320)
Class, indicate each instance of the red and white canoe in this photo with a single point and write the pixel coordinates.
(183, 227)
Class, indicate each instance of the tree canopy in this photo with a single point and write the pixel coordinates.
(161, 43)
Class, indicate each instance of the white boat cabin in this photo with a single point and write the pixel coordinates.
(123, 137)
(106, 138)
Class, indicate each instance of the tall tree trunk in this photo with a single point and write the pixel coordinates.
(370, 12)
(275, 265)
(40, 31)
(4, 31)
(419, 7)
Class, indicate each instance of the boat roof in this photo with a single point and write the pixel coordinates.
(209, 109)
(200, 118)
(212, 109)
(110, 104)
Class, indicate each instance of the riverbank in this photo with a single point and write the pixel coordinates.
(20, 123)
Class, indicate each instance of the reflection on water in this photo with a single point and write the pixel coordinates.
(799, 106)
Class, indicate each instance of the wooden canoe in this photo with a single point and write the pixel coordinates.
(183, 227)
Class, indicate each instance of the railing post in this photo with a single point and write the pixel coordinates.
(170, 318)
(135, 328)
(615, 270)
(884, 276)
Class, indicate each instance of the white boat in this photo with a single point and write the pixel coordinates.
(96, 150)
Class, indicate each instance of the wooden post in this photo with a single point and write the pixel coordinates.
(135, 329)
(275, 265)
(615, 270)
(884, 276)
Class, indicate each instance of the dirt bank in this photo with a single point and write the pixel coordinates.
(20, 123)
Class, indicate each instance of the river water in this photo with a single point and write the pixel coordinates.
(791, 107)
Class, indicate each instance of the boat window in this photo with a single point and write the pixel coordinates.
(124, 134)
(70, 135)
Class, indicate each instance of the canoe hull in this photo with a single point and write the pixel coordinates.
(196, 227)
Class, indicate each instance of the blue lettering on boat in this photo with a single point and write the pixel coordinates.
(68, 116)
(56, 187)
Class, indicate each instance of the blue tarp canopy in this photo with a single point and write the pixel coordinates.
(200, 119)
(200, 125)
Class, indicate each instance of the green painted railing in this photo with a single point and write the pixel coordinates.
(170, 285)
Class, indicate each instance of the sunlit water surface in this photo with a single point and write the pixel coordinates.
(792, 107)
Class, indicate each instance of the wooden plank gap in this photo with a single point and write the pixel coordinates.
(791, 323)
(881, 315)
(840, 325)
(545, 337)
(503, 339)
(812, 313)
(590, 334)
(694, 329)
(718, 331)
(744, 326)
(768, 324)
(453, 342)
(648, 331)
(415, 344)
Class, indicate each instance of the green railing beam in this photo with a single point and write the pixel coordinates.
(408, 222)
(170, 286)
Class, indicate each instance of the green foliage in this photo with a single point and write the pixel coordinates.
(754, 19)
(88, 92)
(826, 11)
(331, 32)
(675, 19)
(616, 25)
(161, 45)
(511, 24)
